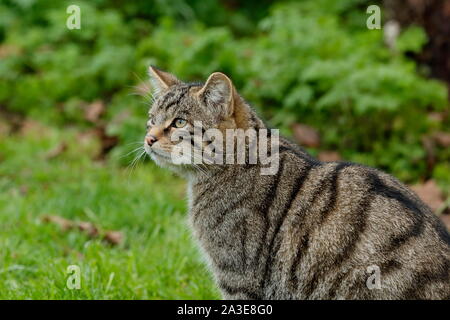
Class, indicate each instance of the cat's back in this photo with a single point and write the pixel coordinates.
(317, 230)
(357, 221)
(349, 221)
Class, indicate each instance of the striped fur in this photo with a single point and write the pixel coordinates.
(311, 230)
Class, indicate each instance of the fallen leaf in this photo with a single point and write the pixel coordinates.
(113, 237)
(88, 228)
(94, 111)
(329, 156)
(430, 193)
(305, 135)
(437, 116)
(108, 142)
(55, 152)
(30, 127)
(65, 224)
(442, 138)
(9, 50)
(11, 122)
(23, 189)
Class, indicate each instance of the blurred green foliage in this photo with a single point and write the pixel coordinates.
(310, 61)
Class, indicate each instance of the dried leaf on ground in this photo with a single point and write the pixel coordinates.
(442, 139)
(108, 142)
(28, 127)
(23, 189)
(430, 193)
(437, 116)
(56, 151)
(94, 111)
(305, 135)
(7, 50)
(111, 236)
(65, 224)
(104, 142)
(88, 228)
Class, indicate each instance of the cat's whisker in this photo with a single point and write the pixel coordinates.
(132, 151)
(135, 161)
(135, 142)
(144, 89)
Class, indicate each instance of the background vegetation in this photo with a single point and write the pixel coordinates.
(70, 119)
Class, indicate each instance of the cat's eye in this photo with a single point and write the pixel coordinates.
(179, 123)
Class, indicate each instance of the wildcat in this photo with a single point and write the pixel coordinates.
(311, 230)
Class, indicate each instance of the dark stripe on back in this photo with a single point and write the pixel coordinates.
(237, 203)
(422, 279)
(264, 207)
(236, 290)
(417, 227)
(381, 188)
(390, 266)
(330, 207)
(358, 223)
(299, 181)
(271, 189)
(442, 231)
(243, 244)
(415, 230)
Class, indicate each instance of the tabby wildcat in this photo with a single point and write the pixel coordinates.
(312, 230)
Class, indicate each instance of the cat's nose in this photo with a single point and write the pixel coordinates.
(150, 139)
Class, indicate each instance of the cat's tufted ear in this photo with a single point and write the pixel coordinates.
(161, 80)
(218, 93)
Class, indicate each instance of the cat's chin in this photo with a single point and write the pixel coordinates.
(160, 160)
(165, 162)
(185, 171)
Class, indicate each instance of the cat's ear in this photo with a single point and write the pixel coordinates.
(161, 80)
(218, 93)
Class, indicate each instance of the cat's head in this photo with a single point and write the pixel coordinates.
(180, 107)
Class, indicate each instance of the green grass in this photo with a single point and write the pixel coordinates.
(158, 258)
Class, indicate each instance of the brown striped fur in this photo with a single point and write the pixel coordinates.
(309, 231)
